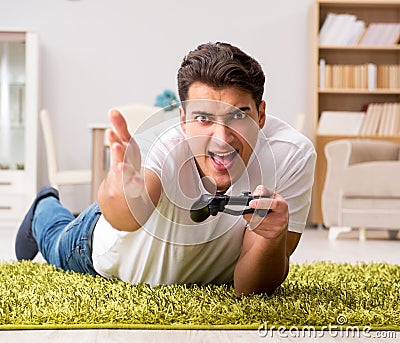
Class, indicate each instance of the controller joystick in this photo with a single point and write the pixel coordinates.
(211, 204)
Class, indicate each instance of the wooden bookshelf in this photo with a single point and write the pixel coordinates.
(349, 99)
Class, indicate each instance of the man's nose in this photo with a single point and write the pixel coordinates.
(222, 132)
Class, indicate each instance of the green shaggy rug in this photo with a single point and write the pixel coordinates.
(320, 294)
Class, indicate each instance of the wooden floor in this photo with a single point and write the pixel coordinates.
(314, 246)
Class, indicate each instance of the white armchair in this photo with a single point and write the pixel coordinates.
(362, 187)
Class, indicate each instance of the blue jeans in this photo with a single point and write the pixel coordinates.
(63, 240)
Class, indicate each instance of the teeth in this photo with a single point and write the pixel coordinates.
(221, 154)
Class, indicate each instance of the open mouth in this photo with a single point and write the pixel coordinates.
(223, 160)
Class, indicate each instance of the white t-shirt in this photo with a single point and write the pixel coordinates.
(171, 248)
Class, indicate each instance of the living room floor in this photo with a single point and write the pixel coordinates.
(314, 246)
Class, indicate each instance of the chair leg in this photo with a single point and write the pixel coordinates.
(362, 233)
(335, 231)
(393, 234)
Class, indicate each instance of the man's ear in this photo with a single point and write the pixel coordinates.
(182, 115)
(261, 114)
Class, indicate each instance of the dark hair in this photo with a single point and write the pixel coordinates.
(221, 65)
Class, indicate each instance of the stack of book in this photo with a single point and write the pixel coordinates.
(380, 119)
(344, 123)
(363, 76)
(341, 29)
(345, 29)
(339, 76)
(381, 34)
(388, 76)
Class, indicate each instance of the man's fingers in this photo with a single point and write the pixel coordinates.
(119, 123)
(123, 147)
(112, 137)
(262, 191)
(263, 204)
(129, 154)
(274, 203)
(132, 180)
(133, 156)
(117, 155)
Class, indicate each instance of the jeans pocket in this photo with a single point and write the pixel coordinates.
(77, 221)
(80, 261)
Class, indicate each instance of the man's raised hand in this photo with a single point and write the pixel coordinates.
(125, 161)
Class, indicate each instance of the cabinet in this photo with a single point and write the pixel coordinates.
(18, 122)
(350, 99)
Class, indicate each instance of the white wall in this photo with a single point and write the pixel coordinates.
(96, 54)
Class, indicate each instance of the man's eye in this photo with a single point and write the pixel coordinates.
(202, 119)
(239, 115)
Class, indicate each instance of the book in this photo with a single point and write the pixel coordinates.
(394, 81)
(381, 34)
(390, 34)
(322, 73)
(375, 120)
(366, 124)
(345, 29)
(356, 32)
(371, 35)
(328, 76)
(397, 120)
(371, 76)
(383, 126)
(392, 125)
(340, 123)
(326, 27)
(338, 29)
(357, 77)
(336, 76)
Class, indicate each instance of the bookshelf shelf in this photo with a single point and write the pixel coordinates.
(383, 48)
(351, 58)
(381, 91)
(334, 137)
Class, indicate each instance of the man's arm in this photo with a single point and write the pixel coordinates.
(263, 269)
(127, 196)
(267, 245)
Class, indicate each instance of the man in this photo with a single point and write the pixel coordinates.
(141, 229)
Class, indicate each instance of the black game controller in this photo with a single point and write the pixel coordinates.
(211, 204)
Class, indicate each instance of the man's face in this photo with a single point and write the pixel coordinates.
(222, 130)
